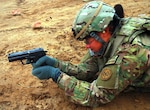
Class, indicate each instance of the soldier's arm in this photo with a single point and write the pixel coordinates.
(129, 63)
(86, 69)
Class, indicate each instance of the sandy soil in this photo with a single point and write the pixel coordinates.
(19, 90)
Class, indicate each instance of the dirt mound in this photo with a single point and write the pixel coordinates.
(19, 90)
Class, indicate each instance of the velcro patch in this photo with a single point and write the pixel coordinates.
(105, 74)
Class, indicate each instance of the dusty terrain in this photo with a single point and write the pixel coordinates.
(19, 90)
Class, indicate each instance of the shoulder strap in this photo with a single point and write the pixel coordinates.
(134, 35)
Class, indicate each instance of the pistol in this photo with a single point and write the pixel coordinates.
(31, 56)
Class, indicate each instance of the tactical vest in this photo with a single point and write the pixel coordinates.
(130, 28)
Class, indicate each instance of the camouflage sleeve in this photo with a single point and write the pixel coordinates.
(86, 69)
(120, 71)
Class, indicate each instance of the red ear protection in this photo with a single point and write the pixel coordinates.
(105, 35)
(96, 45)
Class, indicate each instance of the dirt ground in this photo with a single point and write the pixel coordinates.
(19, 90)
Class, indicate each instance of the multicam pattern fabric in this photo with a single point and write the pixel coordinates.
(86, 70)
(129, 65)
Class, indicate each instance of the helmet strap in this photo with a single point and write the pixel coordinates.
(99, 39)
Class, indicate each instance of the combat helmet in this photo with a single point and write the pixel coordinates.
(95, 16)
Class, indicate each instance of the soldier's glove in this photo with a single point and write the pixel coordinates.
(46, 72)
(45, 60)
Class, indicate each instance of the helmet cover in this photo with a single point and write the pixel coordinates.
(94, 16)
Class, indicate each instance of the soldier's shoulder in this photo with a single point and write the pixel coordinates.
(131, 24)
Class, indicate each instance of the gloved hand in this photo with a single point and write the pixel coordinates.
(45, 60)
(46, 72)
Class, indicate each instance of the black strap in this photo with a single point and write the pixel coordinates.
(92, 34)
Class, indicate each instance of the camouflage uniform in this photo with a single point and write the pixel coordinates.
(126, 62)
